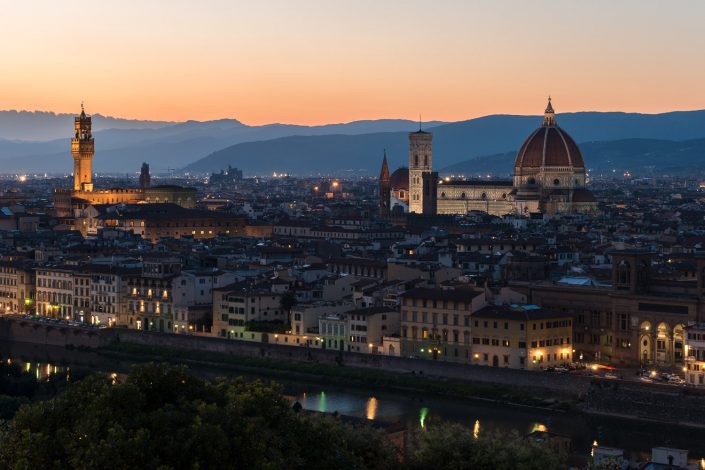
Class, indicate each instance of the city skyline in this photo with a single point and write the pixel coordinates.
(323, 62)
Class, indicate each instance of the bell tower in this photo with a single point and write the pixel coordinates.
(82, 152)
(420, 163)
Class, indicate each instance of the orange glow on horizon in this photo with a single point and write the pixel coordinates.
(325, 61)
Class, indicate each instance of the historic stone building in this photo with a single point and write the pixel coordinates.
(636, 320)
(549, 177)
(71, 202)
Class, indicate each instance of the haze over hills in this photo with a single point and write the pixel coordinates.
(452, 143)
(168, 146)
(46, 125)
(354, 147)
(641, 157)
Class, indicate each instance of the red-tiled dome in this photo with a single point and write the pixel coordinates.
(399, 179)
(549, 145)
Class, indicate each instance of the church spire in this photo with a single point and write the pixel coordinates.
(384, 173)
(549, 115)
(385, 189)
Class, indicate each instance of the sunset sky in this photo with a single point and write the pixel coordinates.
(322, 61)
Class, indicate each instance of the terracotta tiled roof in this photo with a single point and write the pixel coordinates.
(549, 146)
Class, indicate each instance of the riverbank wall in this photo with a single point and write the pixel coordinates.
(563, 385)
(18, 329)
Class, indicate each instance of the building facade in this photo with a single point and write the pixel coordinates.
(521, 337)
(71, 202)
(549, 176)
(436, 323)
(695, 358)
(634, 321)
(17, 287)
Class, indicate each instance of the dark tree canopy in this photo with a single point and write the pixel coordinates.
(453, 447)
(162, 417)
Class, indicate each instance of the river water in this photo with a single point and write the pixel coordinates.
(414, 410)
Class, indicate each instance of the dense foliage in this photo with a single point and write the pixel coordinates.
(162, 417)
(452, 447)
(18, 387)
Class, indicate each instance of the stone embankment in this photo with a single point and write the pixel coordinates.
(662, 403)
(19, 329)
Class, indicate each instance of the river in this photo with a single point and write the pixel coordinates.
(415, 410)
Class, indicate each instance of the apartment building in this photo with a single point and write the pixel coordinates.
(108, 289)
(82, 297)
(55, 291)
(149, 298)
(435, 322)
(194, 287)
(17, 287)
(521, 337)
(237, 304)
(695, 358)
(368, 326)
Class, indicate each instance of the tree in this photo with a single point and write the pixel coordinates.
(286, 302)
(163, 417)
(453, 447)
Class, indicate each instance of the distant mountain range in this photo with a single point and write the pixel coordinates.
(169, 146)
(43, 125)
(625, 140)
(641, 157)
(452, 143)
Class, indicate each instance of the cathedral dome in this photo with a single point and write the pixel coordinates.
(399, 179)
(548, 146)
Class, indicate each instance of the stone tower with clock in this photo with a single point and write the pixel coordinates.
(82, 151)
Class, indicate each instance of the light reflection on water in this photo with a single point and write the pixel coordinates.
(414, 410)
(349, 404)
(399, 409)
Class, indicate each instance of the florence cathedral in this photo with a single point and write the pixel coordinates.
(549, 177)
